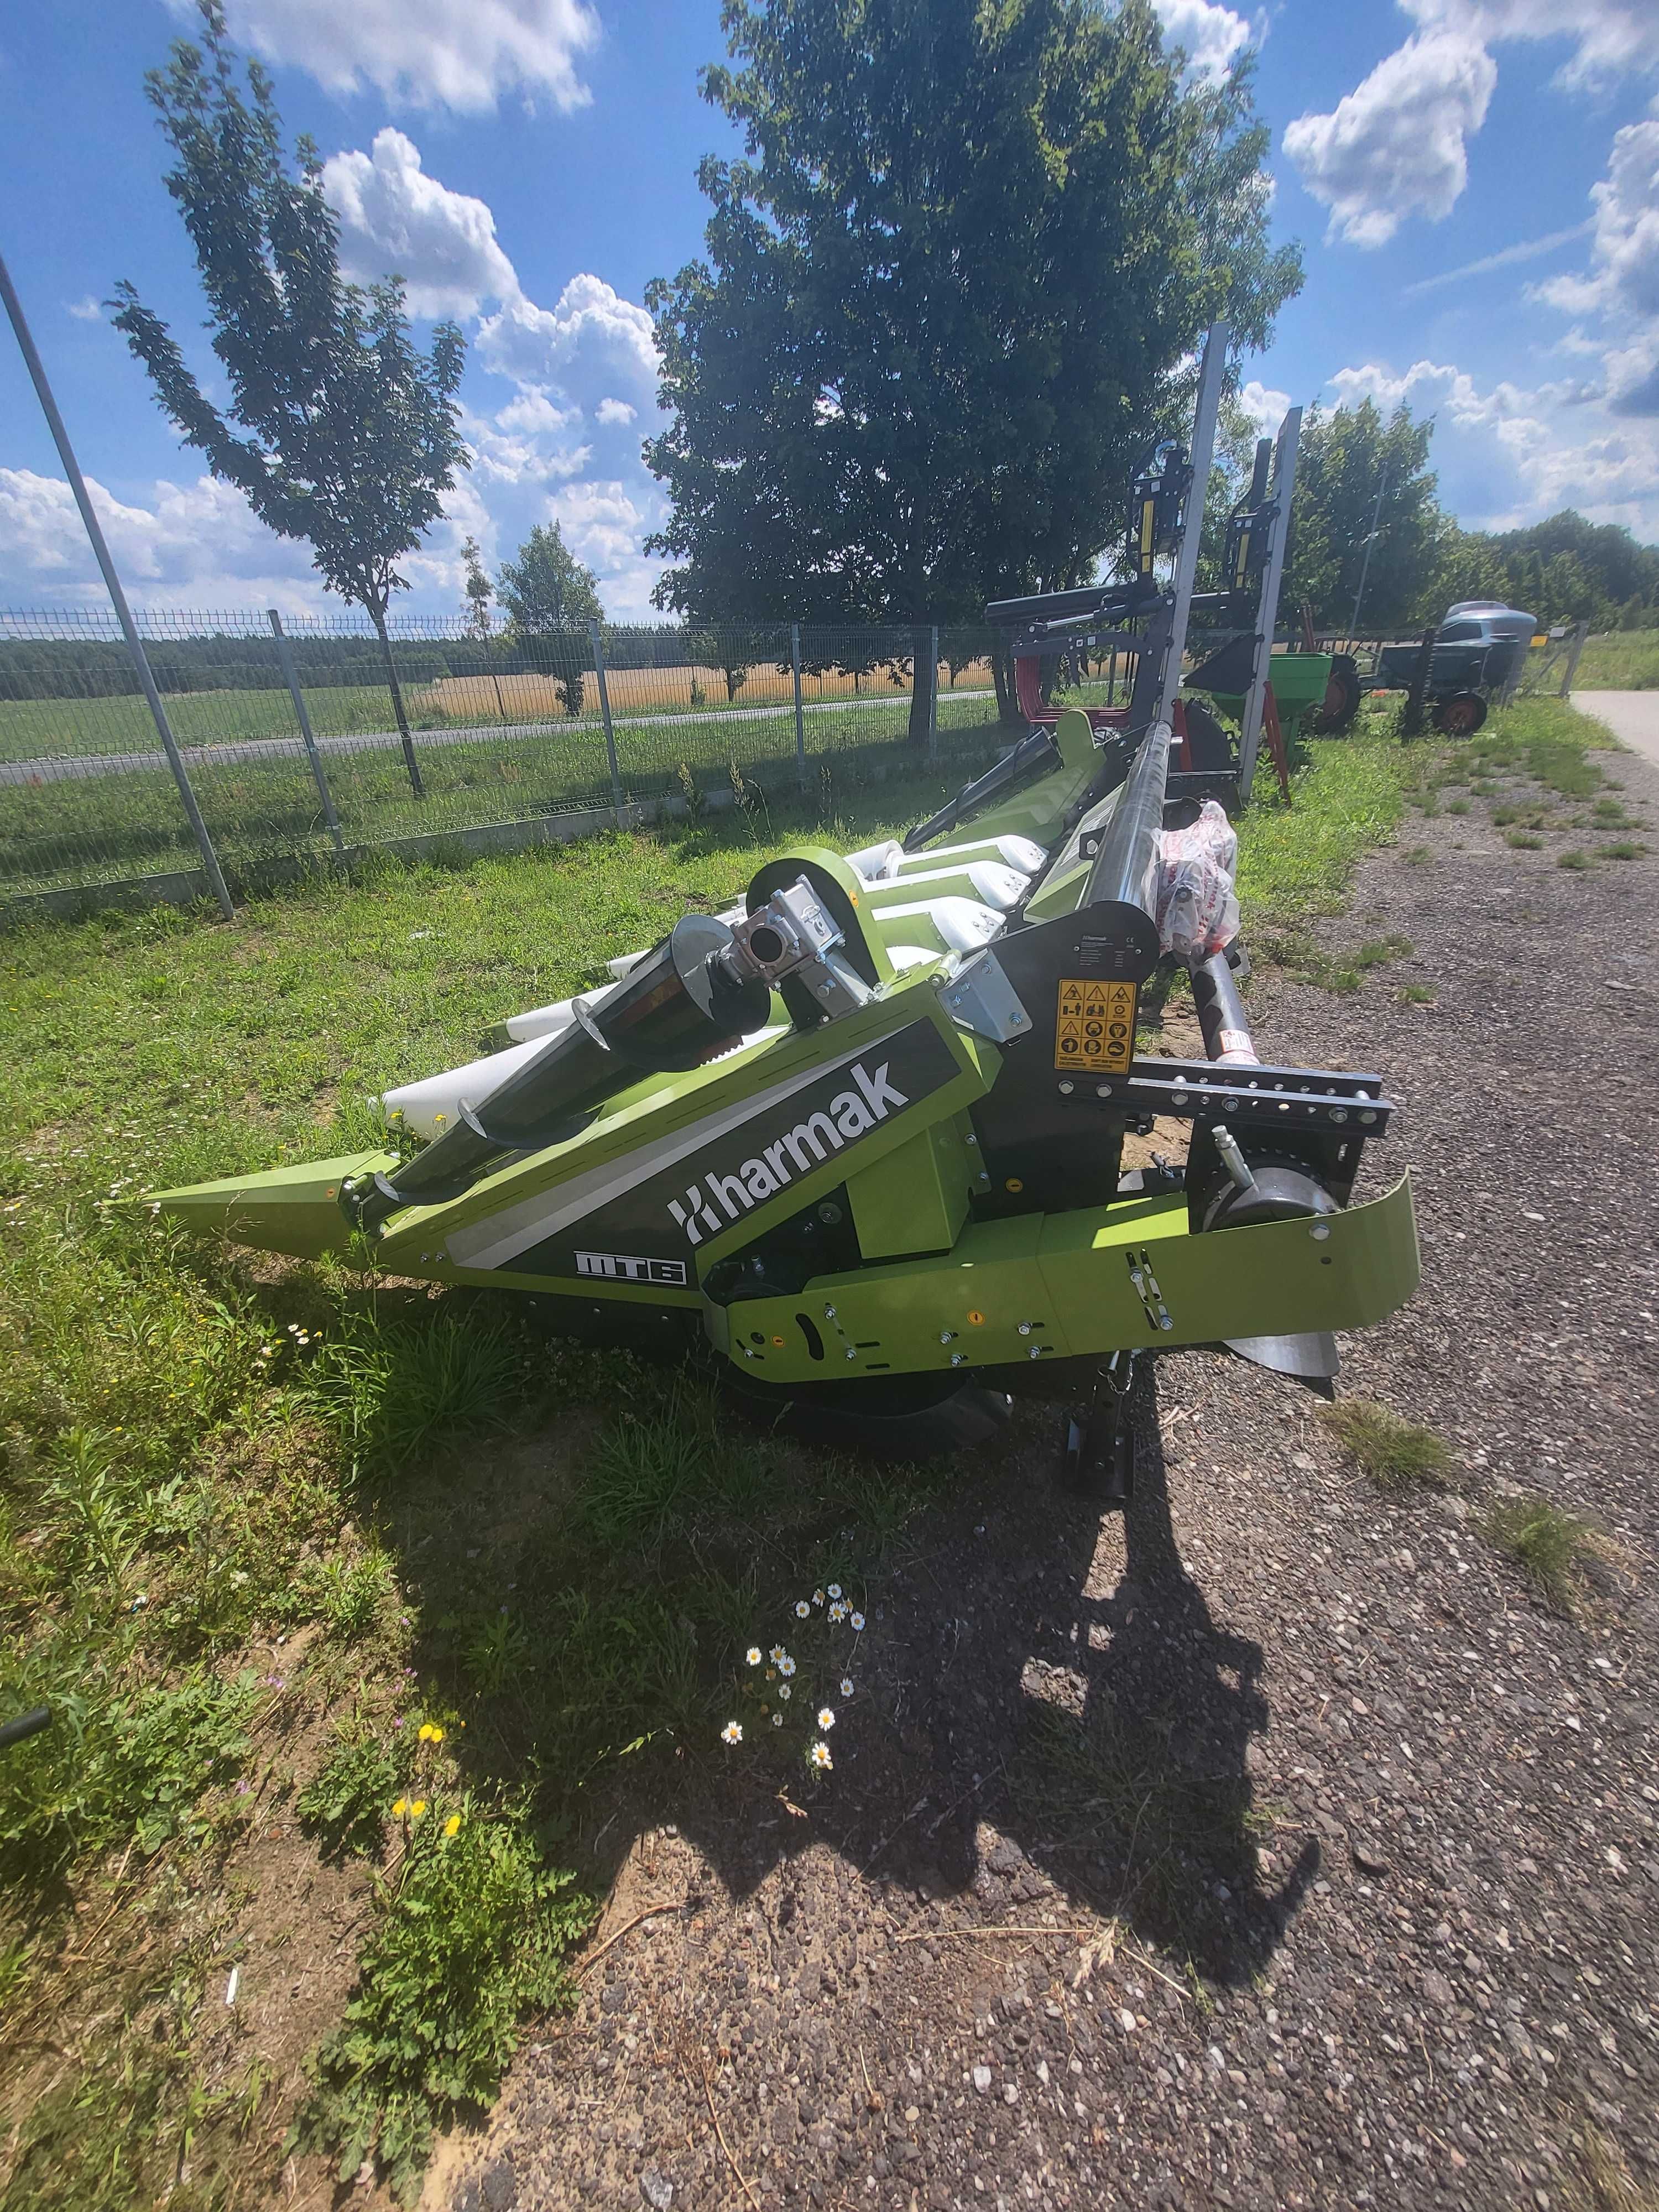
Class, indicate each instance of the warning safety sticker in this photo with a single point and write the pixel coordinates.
(1094, 1025)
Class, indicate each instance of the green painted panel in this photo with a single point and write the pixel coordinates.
(915, 1199)
(292, 1209)
(1100, 1280)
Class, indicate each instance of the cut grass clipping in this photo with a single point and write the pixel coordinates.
(1398, 1456)
(1547, 1545)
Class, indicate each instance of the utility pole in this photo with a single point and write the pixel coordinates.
(1370, 540)
(124, 614)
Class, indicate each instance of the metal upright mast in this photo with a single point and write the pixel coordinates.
(1210, 378)
(123, 612)
(1267, 613)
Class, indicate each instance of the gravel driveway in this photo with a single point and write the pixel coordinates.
(1270, 1845)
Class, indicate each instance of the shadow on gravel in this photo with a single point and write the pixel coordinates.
(1135, 1791)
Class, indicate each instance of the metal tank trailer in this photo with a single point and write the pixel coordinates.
(860, 1141)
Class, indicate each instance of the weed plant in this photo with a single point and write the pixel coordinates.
(1398, 1456)
(1545, 1542)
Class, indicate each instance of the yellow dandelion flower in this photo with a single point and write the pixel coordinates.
(417, 1810)
(400, 1808)
(451, 1826)
(436, 1735)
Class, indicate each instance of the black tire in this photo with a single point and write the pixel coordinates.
(1342, 696)
(898, 1418)
(1460, 715)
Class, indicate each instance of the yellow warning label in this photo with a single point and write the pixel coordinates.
(1094, 1026)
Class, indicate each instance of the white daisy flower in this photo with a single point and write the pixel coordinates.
(838, 1613)
(826, 1717)
(803, 1611)
(857, 1621)
(777, 1720)
(731, 1733)
(753, 1655)
(846, 1686)
(785, 1666)
(820, 1756)
(776, 1653)
(784, 1690)
(817, 1598)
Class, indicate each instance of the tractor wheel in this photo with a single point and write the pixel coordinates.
(902, 1416)
(1334, 716)
(1460, 715)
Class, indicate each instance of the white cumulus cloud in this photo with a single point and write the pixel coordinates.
(1394, 145)
(589, 342)
(1611, 38)
(615, 410)
(1210, 37)
(462, 54)
(1523, 452)
(396, 219)
(1265, 407)
(88, 310)
(194, 544)
(1623, 278)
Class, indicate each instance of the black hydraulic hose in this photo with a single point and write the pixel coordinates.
(1036, 747)
(25, 1725)
(1221, 1014)
(1124, 870)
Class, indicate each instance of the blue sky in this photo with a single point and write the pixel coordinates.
(529, 165)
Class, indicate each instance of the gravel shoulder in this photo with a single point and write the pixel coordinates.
(1267, 1846)
(1632, 716)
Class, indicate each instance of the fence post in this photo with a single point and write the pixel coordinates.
(118, 599)
(285, 655)
(604, 709)
(1411, 718)
(932, 693)
(801, 719)
(1573, 651)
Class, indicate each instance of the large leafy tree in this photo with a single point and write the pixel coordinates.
(1347, 456)
(550, 595)
(950, 298)
(340, 431)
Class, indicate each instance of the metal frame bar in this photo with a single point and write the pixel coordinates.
(113, 583)
(1266, 614)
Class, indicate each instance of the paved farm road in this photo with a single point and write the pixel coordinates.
(1632, 716)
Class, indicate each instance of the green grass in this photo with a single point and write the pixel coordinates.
(1418, 995)
(1573, 861)
(1621, 660)
(1623, 848)
(1398, 1456)
(1524, 841)
(91, 831)
(1548, 1545)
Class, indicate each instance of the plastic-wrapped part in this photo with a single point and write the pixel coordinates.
(1197, 905)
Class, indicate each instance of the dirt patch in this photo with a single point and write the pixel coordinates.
(1266, 1845)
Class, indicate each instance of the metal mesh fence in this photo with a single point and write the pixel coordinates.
(502, 729)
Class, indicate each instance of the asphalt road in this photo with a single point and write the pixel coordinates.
(1632, 716)
(78, 767)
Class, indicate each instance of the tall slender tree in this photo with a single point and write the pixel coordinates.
(340, 431)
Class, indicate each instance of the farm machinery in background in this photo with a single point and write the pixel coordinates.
(1479, 649)
(862, 1141)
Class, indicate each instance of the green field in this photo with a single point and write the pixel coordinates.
(448, 1519)
(112, 828)
(1622, 660)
